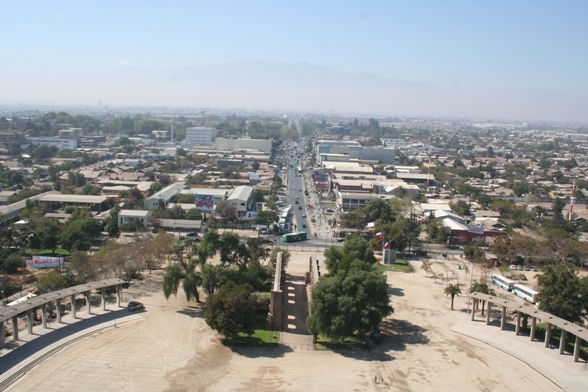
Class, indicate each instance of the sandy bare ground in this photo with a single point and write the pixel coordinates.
(426, 347)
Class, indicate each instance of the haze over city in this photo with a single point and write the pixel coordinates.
(498, 60)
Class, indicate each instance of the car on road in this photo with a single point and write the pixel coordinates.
(304, 216)
(192, 234)
(134, 305)
(304, 225)
(296, 201)
(299, 207)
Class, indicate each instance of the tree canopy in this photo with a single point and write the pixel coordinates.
(563, 293)
(353, 298)
(232, 310)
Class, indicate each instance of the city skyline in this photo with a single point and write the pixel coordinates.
(498, 60)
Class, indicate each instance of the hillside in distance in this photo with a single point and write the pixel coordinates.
(263, 85)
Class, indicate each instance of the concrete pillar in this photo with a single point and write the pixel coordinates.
(562, 341)
(1, 334)
(14, 327)
(489, 304)
(30, 321)
(577, 349)
(518, 327)
(503, 318)
(73, 306)
(118, 294)
(58, 306)
(533, 327)
(103, 298)
(44, 315)
(547, 334)
(474, 309)
(87, 293)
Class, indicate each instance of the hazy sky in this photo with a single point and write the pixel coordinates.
(519, 47)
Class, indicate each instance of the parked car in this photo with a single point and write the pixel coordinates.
(134, 305)
(376, 335)
(192, 234)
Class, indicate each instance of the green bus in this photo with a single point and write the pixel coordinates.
(294, 237)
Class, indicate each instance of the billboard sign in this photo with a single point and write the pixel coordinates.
(250, 215)
(45, 262)
(205, 203)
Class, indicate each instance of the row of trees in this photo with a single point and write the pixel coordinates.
(231, 285)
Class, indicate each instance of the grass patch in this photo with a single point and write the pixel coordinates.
(401, 265)
(352, 343)
(100, 251)
(263, 337)
(556, 338)
(265, 294)
(47, 252)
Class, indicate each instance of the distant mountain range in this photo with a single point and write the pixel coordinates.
(262, 85)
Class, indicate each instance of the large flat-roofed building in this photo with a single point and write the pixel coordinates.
(349, 201)
(142, 217)
(241, 199)
(165, 196)
(7, 137)
(199, 135)
(382, 155)
(61, 144)
(332, 147)
(93, 203)
(243, 144)
(346, 167)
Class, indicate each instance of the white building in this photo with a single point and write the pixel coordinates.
(244, 144)
(166, 195)
(61, 144)
(199, 135)
(241, 199)
(143, 217)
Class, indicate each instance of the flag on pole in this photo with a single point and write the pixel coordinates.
(380, 234)
(387, 245)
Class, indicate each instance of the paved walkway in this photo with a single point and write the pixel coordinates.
(295, 310)
(560, 370)
(19, 356)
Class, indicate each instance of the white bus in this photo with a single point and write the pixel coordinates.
(22, 299)
(525, 293)
(503, 282)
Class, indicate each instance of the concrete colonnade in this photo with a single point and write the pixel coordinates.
(518, 327)
(59, 311)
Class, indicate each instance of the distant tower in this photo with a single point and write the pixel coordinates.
(572, 201)
(171, 137)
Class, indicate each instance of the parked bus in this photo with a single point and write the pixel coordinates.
(294, 237)
(503, 282)
(22, 299)
(525, 293)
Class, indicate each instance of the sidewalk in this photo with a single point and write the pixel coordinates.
(560, 370)
(29, 349)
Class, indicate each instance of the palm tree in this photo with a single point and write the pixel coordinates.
(183, 271)
(480, 287)
(452, 290)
